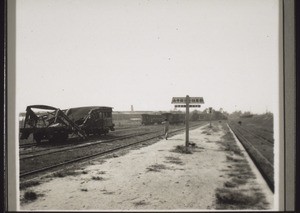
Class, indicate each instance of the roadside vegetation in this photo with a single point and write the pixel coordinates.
(156, 168)
(174, 160)
(28, 184)
(64, 173)
(238, 191)
(30, 196)
(256, 134)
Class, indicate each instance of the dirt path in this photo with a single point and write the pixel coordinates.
(154, 177)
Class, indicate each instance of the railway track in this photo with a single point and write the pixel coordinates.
(271, 142)
(44, 144)
(259, 150)
(76, 142)
(27, 145)
(58, 149)
(112, 146)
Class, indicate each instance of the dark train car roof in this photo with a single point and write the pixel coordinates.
(81, 112)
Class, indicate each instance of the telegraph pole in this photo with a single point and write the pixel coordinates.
(187, 112)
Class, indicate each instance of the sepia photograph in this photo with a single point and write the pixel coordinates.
(148, 105)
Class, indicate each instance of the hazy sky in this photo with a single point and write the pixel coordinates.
(73, 53)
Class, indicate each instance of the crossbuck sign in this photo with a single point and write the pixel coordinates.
(187, 102)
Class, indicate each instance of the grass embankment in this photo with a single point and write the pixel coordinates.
(260, 150)
(239, 191)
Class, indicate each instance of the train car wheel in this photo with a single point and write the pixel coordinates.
(37, 137)
(53, 138)
(105, 132)
(64, 136)
(58, 137)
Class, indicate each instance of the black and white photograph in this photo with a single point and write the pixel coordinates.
(148, 105)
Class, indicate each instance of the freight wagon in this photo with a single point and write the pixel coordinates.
(149, 119)
(173, 118)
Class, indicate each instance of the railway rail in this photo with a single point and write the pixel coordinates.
(64, 148)
(259, 150)
(27, 145)
(257, 135)
(74, 142)
(91, 154)
(34, 144)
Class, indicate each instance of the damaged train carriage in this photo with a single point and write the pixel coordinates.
(53, 124)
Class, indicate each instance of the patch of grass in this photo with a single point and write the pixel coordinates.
(234, 199)
(28, 184)
(240, 170)
(140, 203)
(84, 190)
(101, 172)
(192, 144)
(230, 184)
(174, 160)
(181, 149)
(242, 174)
(97, 178)
(108, 193)
(30, 196)
(228, 136)
(84, 172)
(156, 168)
(229, 144)
(215, 129)
(243, 165)
(196, 148)
(226, 196)
(229, 158)
(64, 173)
(240, 181)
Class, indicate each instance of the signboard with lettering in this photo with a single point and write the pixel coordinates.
(192, 100)
(189, 105)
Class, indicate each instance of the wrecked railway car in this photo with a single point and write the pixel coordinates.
(53, 124)
(92, 120)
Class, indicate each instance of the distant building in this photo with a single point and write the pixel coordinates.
(132, 108)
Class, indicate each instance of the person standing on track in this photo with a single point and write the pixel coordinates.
(166, 129)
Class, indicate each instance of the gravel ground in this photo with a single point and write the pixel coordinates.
(156, 177)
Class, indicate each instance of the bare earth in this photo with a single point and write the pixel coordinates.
(151, 178)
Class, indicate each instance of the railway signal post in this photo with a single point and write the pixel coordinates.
(210, 112)
(187, 102)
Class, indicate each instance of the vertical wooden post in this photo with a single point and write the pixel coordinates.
(210, 112)
(187, 122)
